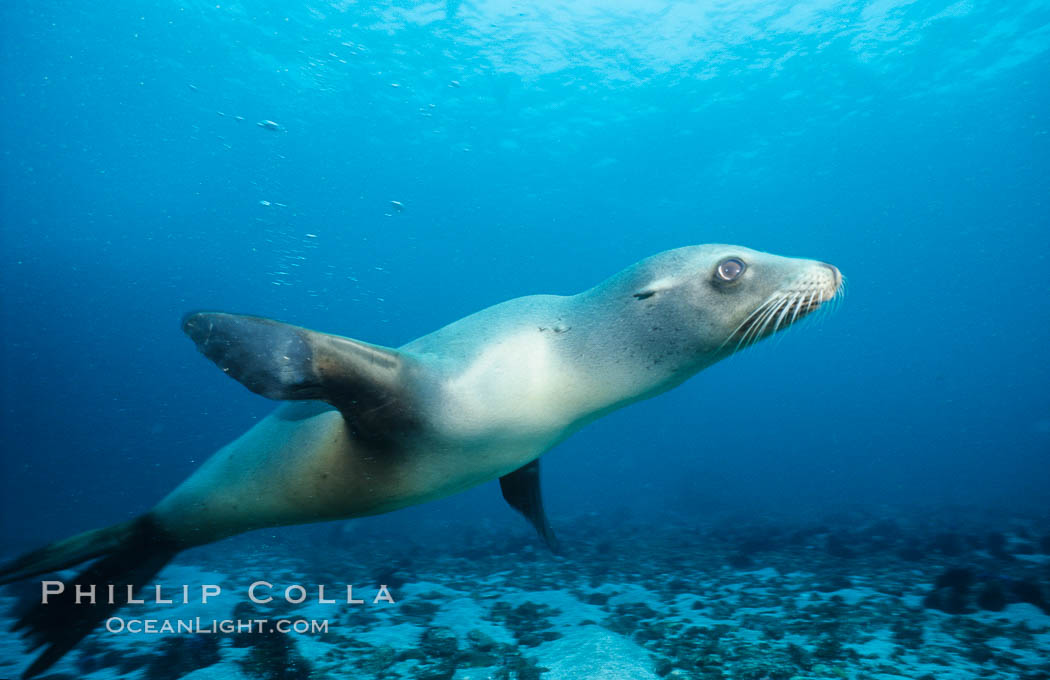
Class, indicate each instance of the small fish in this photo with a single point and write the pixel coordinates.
(269, 125)
(454, 83)
(398, 206)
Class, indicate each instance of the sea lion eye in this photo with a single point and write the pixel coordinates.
(730, 269)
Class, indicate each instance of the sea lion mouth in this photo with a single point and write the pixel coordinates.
(783, 308)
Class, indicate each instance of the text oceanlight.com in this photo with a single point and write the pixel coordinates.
(116, 624)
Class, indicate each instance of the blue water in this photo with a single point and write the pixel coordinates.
(533, 148)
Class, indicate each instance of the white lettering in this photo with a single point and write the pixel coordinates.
(158, 599)
(288, 594)
(209, 590)
(384, 595)
(48, 588)
(131, 597)
(251, 592)
(81, 593)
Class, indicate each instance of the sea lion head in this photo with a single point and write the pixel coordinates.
(729, 297)
(747, 295)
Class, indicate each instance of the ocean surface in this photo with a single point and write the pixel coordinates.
(863, 496)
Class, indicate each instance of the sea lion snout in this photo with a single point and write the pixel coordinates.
(784, 291)
(817, 284)
(836, 274)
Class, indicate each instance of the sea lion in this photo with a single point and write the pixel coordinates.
(371, 429)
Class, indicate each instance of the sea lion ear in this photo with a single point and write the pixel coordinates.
(653, 287)
(281, 361)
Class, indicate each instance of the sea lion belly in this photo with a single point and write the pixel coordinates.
(284, 470)
(287, 470)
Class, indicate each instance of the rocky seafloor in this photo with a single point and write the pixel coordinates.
(858, 597)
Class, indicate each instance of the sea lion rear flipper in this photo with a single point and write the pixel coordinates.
(126, 555)
(521, 489)
(367, 383)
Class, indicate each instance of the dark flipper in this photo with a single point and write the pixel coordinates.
(129, 554)
(521, 489)
(367, 383)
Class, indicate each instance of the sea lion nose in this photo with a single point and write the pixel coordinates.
(835, 273)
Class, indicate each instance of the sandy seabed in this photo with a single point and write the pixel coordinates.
(861, 597)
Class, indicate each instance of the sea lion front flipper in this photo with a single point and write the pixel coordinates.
(521, 489)
(367, 383)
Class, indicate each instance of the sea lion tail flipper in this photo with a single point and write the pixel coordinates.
(281, 361)
(521, 489)
(129, 554)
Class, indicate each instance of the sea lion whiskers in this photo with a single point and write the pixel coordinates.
(787, 308)
(783, 308)
(741, 325)
(798, 307)
(754, 321)
(769, 316)
(754, 331)
(835, 301)
(827, 304)
(791, 301)
(840, 294)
